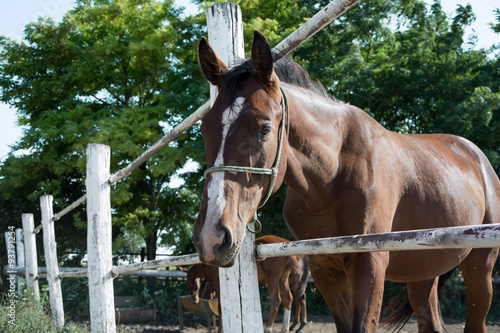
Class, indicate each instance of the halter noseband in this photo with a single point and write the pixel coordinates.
(273, 171)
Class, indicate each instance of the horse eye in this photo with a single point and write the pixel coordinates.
(264, 131)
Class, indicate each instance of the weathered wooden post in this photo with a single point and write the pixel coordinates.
(102, 305)
(241, 311)
(20, 260)
(30, 255)
(50, 251)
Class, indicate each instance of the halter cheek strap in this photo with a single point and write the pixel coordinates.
(273, 171)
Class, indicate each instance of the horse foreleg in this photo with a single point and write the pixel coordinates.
(423, 298)
(334, 288)
(366, 274)
(476, 269)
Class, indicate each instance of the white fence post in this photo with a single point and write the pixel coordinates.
(241, 311)
(225, 33)
(30, 255)
(100, 264)
(50, 250)
(20, 260)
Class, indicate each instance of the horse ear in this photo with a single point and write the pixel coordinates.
(211, 66)
(262, 59)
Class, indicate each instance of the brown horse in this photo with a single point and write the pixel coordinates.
(198, 288)
(282, 275)
(346, 175)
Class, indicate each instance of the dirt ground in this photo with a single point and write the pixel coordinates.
(316, 324)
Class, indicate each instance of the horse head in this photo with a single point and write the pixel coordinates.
(242, 133)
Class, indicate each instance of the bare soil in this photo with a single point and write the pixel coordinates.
(316, 324)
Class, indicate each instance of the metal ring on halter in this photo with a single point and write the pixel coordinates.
(255, 222)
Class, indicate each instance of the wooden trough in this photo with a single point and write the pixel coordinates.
(207, 307)
(128, 310)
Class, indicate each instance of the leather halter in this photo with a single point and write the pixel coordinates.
(273, 171)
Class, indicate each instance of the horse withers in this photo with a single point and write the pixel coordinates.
(346, 175)
(282, 275)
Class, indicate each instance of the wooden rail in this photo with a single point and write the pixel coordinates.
(481, 236)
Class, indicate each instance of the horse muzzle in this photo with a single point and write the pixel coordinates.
(216, 246)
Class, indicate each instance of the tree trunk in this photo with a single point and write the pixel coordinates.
(151, 240)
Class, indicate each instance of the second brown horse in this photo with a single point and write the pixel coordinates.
(282, 275)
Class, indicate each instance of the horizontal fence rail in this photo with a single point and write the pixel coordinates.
(484, 236)
(315, 24)
(169, 137)
(187, 259)
(73, 272)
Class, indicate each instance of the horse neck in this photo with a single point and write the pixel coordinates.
(318, 130)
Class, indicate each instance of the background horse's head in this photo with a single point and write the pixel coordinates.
(242, 129)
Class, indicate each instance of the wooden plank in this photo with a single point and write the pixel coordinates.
(225, 34)
(101, 295)
(20, 259)
(187, 259)
(169, 137)
(240, 300)
(50, 251)
(82, 271)
(30, 254)
(312, 26)
(483, 236)
(249, 286)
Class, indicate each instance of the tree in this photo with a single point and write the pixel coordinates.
(112, 72)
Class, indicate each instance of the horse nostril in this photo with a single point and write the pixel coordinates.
(226, 241)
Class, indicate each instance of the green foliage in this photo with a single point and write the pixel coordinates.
(75, 292)
(315, 302)
(162, 297)
(452, 297)
(165, 299)
(33, 316)
(271, 216)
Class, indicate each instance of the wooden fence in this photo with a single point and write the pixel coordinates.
(239, 288)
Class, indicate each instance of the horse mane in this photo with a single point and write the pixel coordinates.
(288, 71)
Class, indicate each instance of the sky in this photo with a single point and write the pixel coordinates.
(16, 14)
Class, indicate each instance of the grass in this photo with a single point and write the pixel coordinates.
(29, 315)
